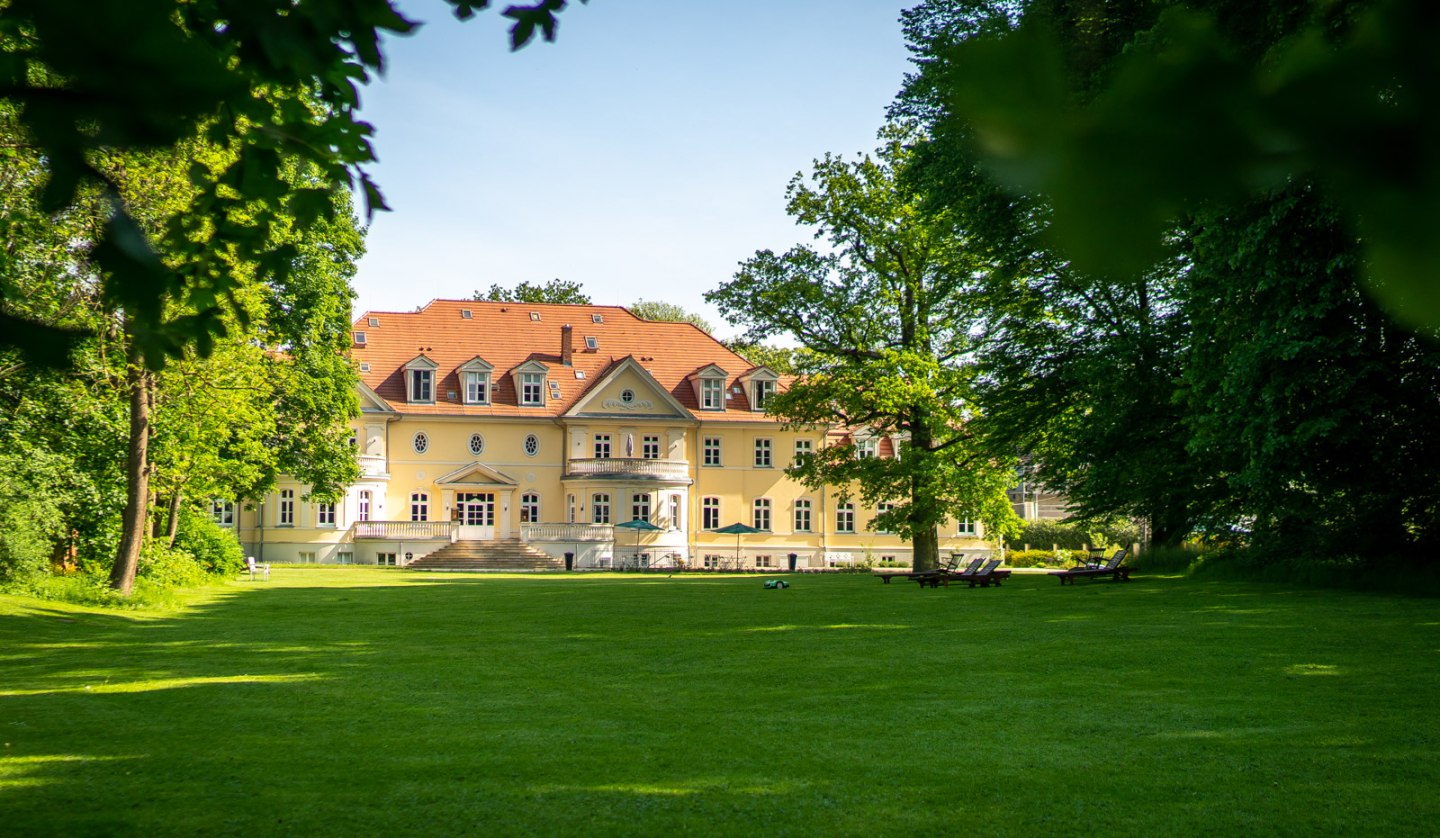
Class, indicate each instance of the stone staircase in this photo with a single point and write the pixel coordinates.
(508, 555)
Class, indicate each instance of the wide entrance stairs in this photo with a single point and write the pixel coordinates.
(507, 555)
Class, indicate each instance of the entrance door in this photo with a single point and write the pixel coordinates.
(477, 515)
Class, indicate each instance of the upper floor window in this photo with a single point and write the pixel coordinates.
(532, 445)
(762, 453)
(420, 442)
(530, 508)
(761, 514)
(364, 505)
(802, 515)
(712, 394)
(711, 451)
(763, 391)
(845, 517)
(803, 449)
(324, 514)
(710, 513)
(966, 526)
(477, 387)
(532, 389)
(477, 444)
(223, 512)
(287, 508)
(422, 386)
(419, 506)
(650, 448)
(600, 508)
(865, 449)
(602, 446)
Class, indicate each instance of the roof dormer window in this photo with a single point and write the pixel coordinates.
(475, 376)
(420, 381)
(712, 394)
(530, 383)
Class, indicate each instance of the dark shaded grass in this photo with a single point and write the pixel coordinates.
(368, 701)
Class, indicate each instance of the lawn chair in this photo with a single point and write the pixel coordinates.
(1113, 568)
(986, 576)
(262, 568)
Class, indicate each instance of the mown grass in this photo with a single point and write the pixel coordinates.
(365, 701)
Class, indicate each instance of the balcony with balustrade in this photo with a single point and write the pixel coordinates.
(629, 468)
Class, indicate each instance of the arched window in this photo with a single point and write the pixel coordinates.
(530, 508)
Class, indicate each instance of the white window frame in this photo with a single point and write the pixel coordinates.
(967, 527)
(600, 508)
(532, 389)
(530, 508)
(803, 447)
(420, 386)
(222, 512)
(710, 513)
(881, 509)
(867, 448)
(845, 518)
(601, 447)
(760, 511)
(364, 505)
(710, 445)
(640, 506)
(764, 452)
(712, 394)
(650, 447)
(477, 387)
(325, 514)
(286, 512)
(420, 442)
(804, 515)
(764, 389)
(419, 506)
(476, 444)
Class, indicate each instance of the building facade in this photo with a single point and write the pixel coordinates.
(553, 424)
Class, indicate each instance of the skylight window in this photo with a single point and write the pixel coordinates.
(359, 338)
(535, 315)
(374, 322)
(466, 314)
(597, 318)
(592, 343)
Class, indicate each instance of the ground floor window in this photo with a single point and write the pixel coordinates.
(223, 512)
(324, 514)
(345, 558)
(763, 561)
(307, 557)
(530, 508)
(600, 508)
(385, 559)
(712, 561)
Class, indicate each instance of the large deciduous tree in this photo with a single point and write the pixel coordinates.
(557, 291)
(884, 312)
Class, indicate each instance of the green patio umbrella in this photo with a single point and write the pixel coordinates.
(738, 530)
(639, 525)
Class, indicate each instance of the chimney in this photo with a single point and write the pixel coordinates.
(567, 348)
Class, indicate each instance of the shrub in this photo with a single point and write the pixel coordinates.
(169, 567)
(1042, 534)
(214, 547)
(1039, 558)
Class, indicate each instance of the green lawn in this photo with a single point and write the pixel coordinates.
(366, 701)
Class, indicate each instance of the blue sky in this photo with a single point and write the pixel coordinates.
(644, 154)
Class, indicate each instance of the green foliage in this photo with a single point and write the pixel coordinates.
(1210, 102)
(269, 81)
(1041, 558)
(168, 567)
(556, 291)
(213, 547)
(668, 313)
(884, 313)
(1076, 536)
(31, 518)
(781, 359)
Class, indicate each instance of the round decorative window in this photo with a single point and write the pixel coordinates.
(421, 442)
(627, 396)
(532, 445)
(477, 444)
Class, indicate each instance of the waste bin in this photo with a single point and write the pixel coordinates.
(793, 559)
(569, 561)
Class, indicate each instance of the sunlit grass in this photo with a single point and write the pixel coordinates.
(367, 701)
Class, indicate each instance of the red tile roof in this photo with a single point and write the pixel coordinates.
(505, 335)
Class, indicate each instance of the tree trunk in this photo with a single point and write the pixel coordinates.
(137, 474)
(926, 543)
(172, 528)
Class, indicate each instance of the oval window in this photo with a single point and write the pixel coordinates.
(477, 444)
(532, 445)
(421, 442)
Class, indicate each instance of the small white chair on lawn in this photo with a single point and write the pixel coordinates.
(263, 568)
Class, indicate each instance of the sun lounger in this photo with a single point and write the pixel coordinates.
(1113, 568)
(986, 576)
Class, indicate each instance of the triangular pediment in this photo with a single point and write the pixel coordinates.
(628, 389)
(476, 474)
(761, 374)
(531, 366)
(420, 362)
(370, 401)
(709, 371)
(476, 364)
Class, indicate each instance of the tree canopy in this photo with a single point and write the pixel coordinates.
(557, 291)
(267, 81)
(883, 311)
(669, 312)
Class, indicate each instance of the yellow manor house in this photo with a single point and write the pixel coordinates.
(511, 434)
